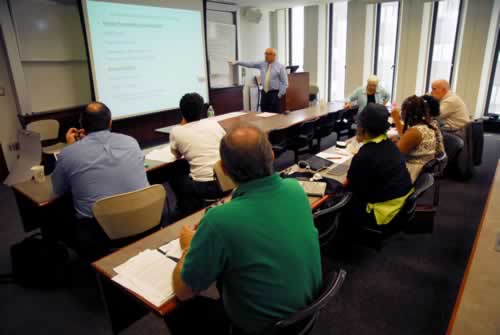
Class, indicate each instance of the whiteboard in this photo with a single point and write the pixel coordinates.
(55, 85)
(221, 40)
(48, 31)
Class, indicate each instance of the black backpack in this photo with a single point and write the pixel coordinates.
(40, 263)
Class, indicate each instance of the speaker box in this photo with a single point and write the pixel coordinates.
(252, 15)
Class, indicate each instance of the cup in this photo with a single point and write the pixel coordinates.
(38, 172)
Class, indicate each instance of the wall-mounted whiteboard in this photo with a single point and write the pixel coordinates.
(221, 40)
(48, 31)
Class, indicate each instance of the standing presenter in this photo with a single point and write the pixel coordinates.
(274, 78)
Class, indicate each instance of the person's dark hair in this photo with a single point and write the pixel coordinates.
(432, 104)
(95, 117)
(415, 111)
(373, 119)
(191, 106)
(247, 153)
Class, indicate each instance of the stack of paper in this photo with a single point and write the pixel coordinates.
(228, 116)
(172, 249)
(161, 155)
(149, 274)
(335, 155)
(266, 114)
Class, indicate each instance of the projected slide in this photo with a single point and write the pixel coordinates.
(144, 58)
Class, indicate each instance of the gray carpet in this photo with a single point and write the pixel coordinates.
(408, 288)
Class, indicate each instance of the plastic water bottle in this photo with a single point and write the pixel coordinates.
(210, 111)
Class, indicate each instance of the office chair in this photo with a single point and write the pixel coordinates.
(124, 217)
(49, 133)
(325, 125)
(374, 236)
(436, 167)
(302, 322)
(278, 139)
(313, 93)
(301, 137)
(327, 220)
(226, 184)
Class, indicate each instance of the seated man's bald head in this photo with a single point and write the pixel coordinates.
(440, 88)
(95, 117)
(246, 153)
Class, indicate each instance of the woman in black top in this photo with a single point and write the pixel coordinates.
(377, 173)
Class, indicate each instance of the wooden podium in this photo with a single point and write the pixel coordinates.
(297, 93)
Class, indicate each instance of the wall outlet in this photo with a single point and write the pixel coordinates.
(14, 146)
(2, 91)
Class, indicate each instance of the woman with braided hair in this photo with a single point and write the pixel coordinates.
(420, 140)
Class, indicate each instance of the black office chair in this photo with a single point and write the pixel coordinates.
(278, 139)
(302, 322)
(325, 125)
(300, 138)
(453, 145)
(436, 167)
(344, 122)
(327, 220)
(374, 236)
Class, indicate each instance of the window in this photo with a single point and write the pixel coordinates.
(443, 43)
(493, 99)
(386, 43)
(337, 46)
(297, 37)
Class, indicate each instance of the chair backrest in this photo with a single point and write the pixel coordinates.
(302, 322)
(129, 214)
(422, 184)
(278, 139)
(225, 182)
(306, 128)
(48, 129)
(327, 121)
(477, 141)
(327, 220)
(453, 144)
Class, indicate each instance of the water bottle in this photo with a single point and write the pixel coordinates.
(210, 111)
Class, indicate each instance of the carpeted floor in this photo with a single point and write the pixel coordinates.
(408, 288)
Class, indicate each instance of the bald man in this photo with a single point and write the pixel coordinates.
(96, 164)
(263, 252)
(274, 79)
(453, 111)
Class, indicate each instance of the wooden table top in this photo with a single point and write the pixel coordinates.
(43, 194)
(477, 309)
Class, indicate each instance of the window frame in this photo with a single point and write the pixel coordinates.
(492, 75)
(378, 10)
(435, 8)
(330, 48)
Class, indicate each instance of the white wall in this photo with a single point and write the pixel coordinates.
(472, 53)
(254, 39)
(8, 109)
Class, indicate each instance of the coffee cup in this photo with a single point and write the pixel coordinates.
(38, 172)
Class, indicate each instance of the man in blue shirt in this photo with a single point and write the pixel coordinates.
(274, 79)
(96, 164)
(373, 92)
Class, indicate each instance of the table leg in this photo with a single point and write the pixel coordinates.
(122, 310)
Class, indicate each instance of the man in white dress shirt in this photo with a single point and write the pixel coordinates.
(274, 79)
(197, 141)
(453, 111)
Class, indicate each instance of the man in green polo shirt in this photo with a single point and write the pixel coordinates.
(261, 247)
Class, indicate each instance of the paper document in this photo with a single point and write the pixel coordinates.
(161, 155)
(266, 114)
(172, 249)
(335, 155)
(228, 116)
(149, 274)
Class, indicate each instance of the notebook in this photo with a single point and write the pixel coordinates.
(313, 188)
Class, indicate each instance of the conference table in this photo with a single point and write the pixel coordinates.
(124, 307)
(478, 303)
(37, 202)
